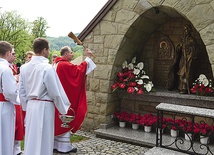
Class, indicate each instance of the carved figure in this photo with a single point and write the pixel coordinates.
(188, 50)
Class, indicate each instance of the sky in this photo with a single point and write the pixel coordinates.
(62, 16)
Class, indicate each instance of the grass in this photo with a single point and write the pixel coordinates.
(77, 138)
(74, 139)
(22, 145)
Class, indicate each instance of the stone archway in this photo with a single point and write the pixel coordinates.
(141, 41)
(124, 32)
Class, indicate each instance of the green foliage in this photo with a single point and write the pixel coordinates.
(74, 139)
(51, 53)
(77, 48)
(39, 27)
(21, 33)
(22, 145)
(77, 54)
(15, 30)
(77, 138)
(59, 42)
(54, 52)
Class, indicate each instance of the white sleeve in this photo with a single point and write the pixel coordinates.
(9, 86)
(91, 65)
(22, 93)
(56, 91)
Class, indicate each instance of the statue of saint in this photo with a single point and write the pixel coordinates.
(187, 48)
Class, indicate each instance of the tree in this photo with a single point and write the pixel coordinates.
(14, 29)
(21, 33)
(39, 27)
(59, 42)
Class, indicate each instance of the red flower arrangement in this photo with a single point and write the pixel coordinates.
(202, 86)
(121, 116)
(164, 121)
(132, 78)
(148, 120)
(134, 118)
(187, 126)
(173, 124)
(203, 129)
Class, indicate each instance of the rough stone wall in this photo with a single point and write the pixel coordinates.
(113, 41)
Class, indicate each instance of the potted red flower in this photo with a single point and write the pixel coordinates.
(147, 121)
(134, 119)
(187, 127)
(164, 125)
(173, 125)
(122, 118)
(204, 130)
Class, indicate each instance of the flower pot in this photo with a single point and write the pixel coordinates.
(204, 140)
(174, 133)
(135, 126)
(147, 128)
(122, 124)
(188, 136)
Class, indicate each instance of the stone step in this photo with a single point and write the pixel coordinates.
(162, 151)
(139, 137)
(127, 135)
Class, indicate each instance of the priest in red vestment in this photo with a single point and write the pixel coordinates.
(73, 79)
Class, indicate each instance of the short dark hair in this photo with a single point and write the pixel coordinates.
(39, 44)
(4, 47)
(64, 49)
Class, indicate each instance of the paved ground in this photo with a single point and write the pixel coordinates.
(98, 146)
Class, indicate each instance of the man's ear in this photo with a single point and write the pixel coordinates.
(43, 51)
(8, 55)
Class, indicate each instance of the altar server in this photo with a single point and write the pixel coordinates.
(40, 92)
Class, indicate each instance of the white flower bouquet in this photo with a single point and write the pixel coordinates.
(133, 78)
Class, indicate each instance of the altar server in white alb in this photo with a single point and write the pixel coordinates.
(8, 96)
(40, 92)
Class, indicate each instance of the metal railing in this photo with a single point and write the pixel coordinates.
(194, 143)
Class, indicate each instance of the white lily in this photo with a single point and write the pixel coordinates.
(145, 77)
(130, 66)
(150, 82)
(133, 60)
(202, 77)
(140, 81)
(125, 64)
(136, 88)
(205, 82)
(143, 72)
(148, 87)
(136, 71)
(140, 65)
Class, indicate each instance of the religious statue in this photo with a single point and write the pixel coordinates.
(187, 48)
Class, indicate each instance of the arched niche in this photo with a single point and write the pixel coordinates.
(143, 39)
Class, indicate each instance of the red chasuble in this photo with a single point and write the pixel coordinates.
(19, 128)
(73, 80)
